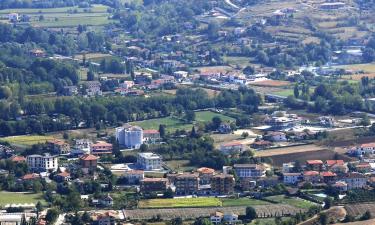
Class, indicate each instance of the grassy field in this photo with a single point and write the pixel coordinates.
(26, 139)
(243, 202)
(19, 198)
(175, 123)
(97, 15)
(180, 202)
(299, 203)
(367, 67)
(179, 165)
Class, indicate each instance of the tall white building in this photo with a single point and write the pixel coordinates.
(149, 161)
(42, 162)
(129, 136)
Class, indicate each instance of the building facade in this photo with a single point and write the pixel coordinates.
(42, 162)
(149, 161)
(129, 136)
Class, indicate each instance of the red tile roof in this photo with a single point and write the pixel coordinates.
(18, 159)
(30, 176)
(150, 132)
(335, 162)
(88, 157)
(311, 173)
(205, 170)
(368, 145)
(328, 174)
(314, 162)
(64, 174)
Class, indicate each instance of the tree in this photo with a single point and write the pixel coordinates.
(323, 219)
(162, 130)
(327, 203)
(245, 134)
(39, 208)
(52, 215)
(213, 30)
(90, 75)
(5, 92)
(250, 213)
(168, 193)
(202, 221)
(216, 122)
(249, 70)
(37, 186)
(176, 221)
(189, 115)
(296, 91)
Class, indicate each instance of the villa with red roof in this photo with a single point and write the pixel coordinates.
(230, 148)
(316, 165)
(151, 136)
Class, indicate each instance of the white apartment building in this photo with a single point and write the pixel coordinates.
(42, 162)
(82, 146)
(149, 161)
(363, 149)
(249, 170)
(129, 136)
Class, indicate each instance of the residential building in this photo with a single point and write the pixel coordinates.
(205, 175)
(224, 128)
(275, 136)
(13, 17)
(127, 84)
(249, 170)
(222, 184)
(231, 148)
(82, 146)
(129, 136)
(45, 162)
(63, 176)
(291, 178)
(101, 148)
(288, 167)
(261, 144)
(151, 136)
(134, 176)
(328, 177)
(70, 90)
(88, 162)
(186, 184)
(106, 201)
(93, 88)
(59, 146)
(106, 218)
(363, 167)
(354, 180)
(18, 159)
(153, 185)
(311, 176)
(30, 176)
(216, 218)
(316, 165)
(341, 186)
(221, 218)
(363, 149)
(149, 161)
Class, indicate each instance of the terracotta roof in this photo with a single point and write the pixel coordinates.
(102, 143)
(261, 142)
(30, 176)
(88, 157)
(64, 174)
(368, 145)
(314, 162)
(150, 132)
(328, 174)
(310, 173)
(18, 158)
(335, 162)
(363, 165)
(154, 180)
(205, 170)
(340, 184)
(233, 143)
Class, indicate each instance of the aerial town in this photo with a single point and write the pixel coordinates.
(182, 112)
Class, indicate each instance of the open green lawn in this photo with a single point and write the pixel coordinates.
(19, 198)
(173, 123)
(96, 8)
(27, 139)
(179, 165)
(243, 202)
(367, 67)
(297, 202)
(180, 202)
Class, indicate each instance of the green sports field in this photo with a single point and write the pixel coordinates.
(19, 198)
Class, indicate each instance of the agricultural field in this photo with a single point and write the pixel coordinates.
(180, 203)
(359, 209)
(263, 211)
(271, 83)
(97, 15)
(19, 198)
(173, 123)
(367, 67)
(296, 202)
(243, 202)
(26, 140)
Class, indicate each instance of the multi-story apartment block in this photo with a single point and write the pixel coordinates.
(355, 180)
(205, 175)
(129, 136)
(153, 185)
(59, 146)
(101, 148)
(186, 184)
(42, 162)
(134, 176)
(249, 170)
(149, 161)
(222, 184)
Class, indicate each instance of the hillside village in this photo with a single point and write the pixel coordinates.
(187, 112)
